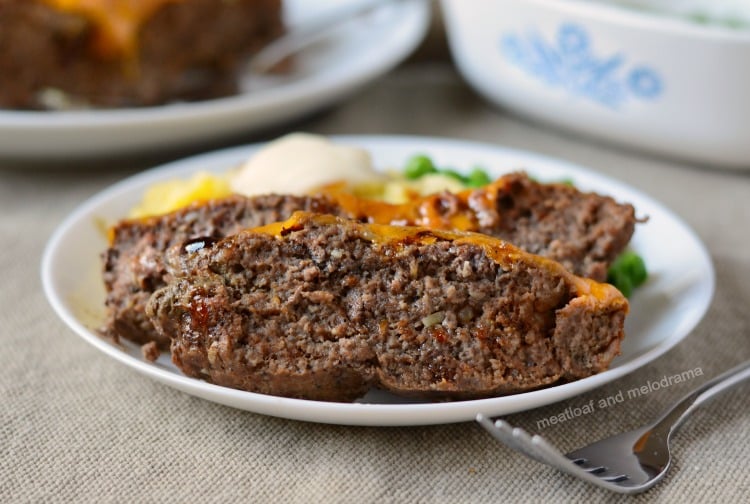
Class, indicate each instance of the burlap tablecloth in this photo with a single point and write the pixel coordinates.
(76, 426)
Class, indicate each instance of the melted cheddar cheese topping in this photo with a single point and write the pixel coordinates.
(117, 22)
(420, 210)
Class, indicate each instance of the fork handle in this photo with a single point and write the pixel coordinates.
(676, 415)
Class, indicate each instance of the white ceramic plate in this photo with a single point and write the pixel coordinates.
(663, 311)
(355, 53)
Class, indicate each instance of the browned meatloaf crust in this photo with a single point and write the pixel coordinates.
(583, 231)
(184, 49)
(323, 308)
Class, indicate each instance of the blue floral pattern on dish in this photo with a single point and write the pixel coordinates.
(570, 63)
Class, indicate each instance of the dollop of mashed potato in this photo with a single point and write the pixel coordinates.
(299, 163)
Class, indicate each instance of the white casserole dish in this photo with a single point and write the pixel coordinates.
(661, 84)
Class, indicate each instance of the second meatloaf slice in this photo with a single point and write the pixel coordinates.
(324, 308)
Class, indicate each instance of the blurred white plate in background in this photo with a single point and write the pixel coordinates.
(327, 72)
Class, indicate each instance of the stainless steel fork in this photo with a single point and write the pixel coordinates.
(630, 462)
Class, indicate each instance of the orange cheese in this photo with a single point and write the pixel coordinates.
(425, 211)
(116, 22)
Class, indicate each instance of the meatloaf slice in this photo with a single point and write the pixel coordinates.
(324, 308)
(124, 53)
(583, 231)
(134, 263)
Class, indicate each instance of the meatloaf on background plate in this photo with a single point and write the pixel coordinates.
(324, 308)
(583, 231)
(125, 53)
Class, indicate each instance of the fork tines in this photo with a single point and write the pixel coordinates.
(541, 450)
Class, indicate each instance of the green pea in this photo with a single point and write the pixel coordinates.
(635, 267)
(418, 166)
(620, 279)
(627, 272)
(477, 178)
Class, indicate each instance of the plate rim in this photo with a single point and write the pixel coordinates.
(365, 414)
